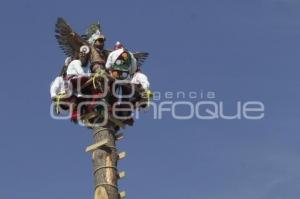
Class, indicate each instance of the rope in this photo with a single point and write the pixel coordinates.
(149, 96)
(58, 98)
(101, 184)
(57, 104)
(104, 167)
(94, 80)
(100, 74)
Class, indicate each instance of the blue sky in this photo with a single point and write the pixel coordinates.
(242, 50)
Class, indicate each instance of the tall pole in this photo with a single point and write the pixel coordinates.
(104, 155)
(105, 161)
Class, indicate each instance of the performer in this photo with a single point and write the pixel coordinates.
(121, 63)
(98, 54)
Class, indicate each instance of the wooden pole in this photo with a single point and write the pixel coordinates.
(105, 161)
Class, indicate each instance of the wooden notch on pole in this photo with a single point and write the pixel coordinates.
(121, 174)
(122, 194)
(119, 136)
(95, 146)
(122, 155)
(89, 116)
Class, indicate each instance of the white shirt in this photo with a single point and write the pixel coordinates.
(59, 86)
(140, 78)
(113, 56)
(75, 68)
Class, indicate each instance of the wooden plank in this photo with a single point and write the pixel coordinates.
(122, 155)
(119, 136)
(89, 115)
(122, 194)
(121, 174)
(85, 118)
(95, 146)
(87, 83)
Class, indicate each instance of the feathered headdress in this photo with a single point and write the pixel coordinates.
(93, 33)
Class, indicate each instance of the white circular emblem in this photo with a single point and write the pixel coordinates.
(84, 49)
(118, 62)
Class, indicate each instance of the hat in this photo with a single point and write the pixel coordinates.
(118, 45)
(97, 35)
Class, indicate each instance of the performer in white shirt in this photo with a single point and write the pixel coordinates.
(140, 78)
(75, 68)
(61, 86)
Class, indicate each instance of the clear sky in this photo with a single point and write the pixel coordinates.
(243, 50)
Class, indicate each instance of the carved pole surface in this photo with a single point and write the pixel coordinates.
(105, 163)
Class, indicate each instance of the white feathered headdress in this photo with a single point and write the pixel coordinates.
(97, 35)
